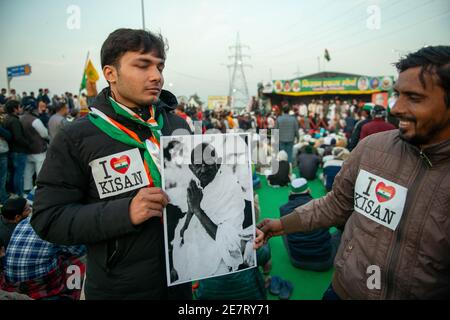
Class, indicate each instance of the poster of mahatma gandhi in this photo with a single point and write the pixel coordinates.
(209, 224)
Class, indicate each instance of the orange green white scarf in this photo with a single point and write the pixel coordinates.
(119, 132)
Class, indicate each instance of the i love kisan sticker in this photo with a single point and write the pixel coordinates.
(119, 173)
(380, 200)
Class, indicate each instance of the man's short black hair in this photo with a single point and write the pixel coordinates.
(123, 40)
(286, 108)
(59, 105)
(11, 105)
(13, 207)
(433, 60)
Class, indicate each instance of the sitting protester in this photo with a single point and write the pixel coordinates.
(282, 177)
(314, 250)
(14, 211)
(308, 164)
(40, 269)
(332, 167)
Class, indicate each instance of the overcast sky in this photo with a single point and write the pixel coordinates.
(284, 36)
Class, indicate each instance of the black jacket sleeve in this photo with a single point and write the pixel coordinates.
(4, 133)
(61, 214)
(18, 136)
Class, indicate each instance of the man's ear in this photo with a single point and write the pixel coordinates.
(17, 218)
(110, 73)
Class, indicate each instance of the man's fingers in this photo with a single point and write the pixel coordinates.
(155, 206)
(156, 197)
(152, 190)
(262, 223)
(264, 228)
(154, 213)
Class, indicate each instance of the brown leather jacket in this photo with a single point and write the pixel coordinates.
(414, 260)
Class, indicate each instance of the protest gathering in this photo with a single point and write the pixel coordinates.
(328, 184)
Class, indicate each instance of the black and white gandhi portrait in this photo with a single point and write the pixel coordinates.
(209, 222)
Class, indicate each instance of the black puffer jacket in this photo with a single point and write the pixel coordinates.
(124, 261)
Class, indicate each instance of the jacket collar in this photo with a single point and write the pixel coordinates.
(432, 154)
(167, 102)
(438, 152)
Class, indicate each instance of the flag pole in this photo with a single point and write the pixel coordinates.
(84, 70)
(143, 16)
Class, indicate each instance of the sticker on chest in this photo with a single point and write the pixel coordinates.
(119, 173)
(378, 199)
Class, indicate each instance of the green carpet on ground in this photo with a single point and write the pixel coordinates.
(308, 285)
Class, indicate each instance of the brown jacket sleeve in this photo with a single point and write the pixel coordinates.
(333, 209)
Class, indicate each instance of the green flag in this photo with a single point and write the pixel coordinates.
(83, 82)
(327, 55)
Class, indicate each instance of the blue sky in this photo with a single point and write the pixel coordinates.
(284, 36)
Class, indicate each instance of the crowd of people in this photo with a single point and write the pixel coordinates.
(354, 144)
(29, 266)
(28, 125)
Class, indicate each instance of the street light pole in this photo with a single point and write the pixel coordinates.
(143, 16)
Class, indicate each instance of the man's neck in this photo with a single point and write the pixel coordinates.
(119, 99)
(141, 111)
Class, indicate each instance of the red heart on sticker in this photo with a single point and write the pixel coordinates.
(121, 164)
(384, 193)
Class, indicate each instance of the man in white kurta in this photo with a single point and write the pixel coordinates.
(198, 253)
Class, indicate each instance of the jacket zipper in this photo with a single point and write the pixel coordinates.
(110, 258)
(394, 256)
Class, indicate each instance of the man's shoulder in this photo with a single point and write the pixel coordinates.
(80, 129)
(173, 122)
(385, 141)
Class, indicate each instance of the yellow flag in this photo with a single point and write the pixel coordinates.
(91, 73)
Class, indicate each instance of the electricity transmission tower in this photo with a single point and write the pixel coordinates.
(238, 91)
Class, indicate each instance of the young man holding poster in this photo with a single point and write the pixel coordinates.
(393, 193)
(99, 185)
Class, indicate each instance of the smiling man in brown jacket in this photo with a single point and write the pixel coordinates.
(393, 195)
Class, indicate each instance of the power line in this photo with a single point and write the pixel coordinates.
(360, 32)
(339, 16)
(327, 34)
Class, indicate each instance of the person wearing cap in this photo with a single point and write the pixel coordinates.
(393, 195)
(37, 134)
(366, 117)
(19, 144)
(378, 123)
(332, 167)
(282, 176)
(314, 251)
